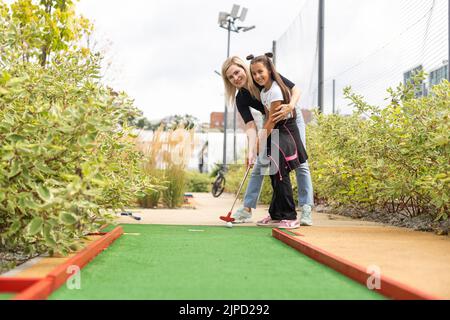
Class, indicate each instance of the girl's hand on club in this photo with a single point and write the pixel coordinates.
(282, 112)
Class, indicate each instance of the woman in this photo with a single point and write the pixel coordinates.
(237, 79)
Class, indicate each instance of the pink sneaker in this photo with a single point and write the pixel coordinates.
(268, 222)
(289, 224)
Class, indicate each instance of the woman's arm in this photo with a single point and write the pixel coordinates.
(252, 133)
(283, 110)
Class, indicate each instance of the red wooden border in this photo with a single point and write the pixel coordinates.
(12, 285)
(60, 275)
(389, 287)
(41, 288)
(39, 291)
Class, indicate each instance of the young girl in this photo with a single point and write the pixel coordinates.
(287, 152)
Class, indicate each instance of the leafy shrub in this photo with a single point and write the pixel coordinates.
(67, 158)
(197, 182)
(150, 199)
(151, 196)
(175, 183)
(394, 159)
(215, 170)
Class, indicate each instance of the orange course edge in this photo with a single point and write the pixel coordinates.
(16, 285)
(389, 288)
(41, 288)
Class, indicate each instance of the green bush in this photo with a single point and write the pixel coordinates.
(67, 159)
(197, 182)
(150, 199)
(175, 183)
(215, 170)
(394, 159)
(151, 196)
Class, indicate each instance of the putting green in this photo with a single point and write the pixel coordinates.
(208, 263)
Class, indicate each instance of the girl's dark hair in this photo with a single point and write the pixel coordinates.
(267, 62)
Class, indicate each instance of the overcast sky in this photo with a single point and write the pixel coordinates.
(164, 52)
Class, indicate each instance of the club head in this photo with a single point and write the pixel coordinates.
(228, 218)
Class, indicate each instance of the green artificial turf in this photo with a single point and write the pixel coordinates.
(6, 296)
(217, 263)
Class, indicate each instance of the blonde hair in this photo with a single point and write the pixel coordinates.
(230, 90)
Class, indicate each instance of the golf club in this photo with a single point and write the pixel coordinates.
(130, 214)
(228, 217)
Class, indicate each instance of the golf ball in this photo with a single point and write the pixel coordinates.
(229, 225)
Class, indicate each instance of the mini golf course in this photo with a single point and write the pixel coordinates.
(208, 263)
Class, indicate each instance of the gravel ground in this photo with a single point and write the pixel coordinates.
(420, 223)
(10, 260)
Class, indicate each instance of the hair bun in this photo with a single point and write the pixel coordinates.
(250, 57)
(269, 54)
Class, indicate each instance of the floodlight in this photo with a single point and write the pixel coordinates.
(243, 14)
(248, 28)
(227, 21)
(223, 17)
(235, 11)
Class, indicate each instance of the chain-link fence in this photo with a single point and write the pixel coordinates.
(369, 45)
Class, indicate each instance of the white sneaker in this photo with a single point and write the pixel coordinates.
(242, 216)
(306, 219)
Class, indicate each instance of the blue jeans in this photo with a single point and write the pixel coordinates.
(304, 182)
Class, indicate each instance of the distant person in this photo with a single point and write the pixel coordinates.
(237, 79)
(201, 157)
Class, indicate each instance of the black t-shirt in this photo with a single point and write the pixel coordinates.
(245, 101)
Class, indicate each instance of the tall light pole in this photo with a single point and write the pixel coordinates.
(321, 52)
(227, 21)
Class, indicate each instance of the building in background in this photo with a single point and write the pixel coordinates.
(217, 121)
(435, 76)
